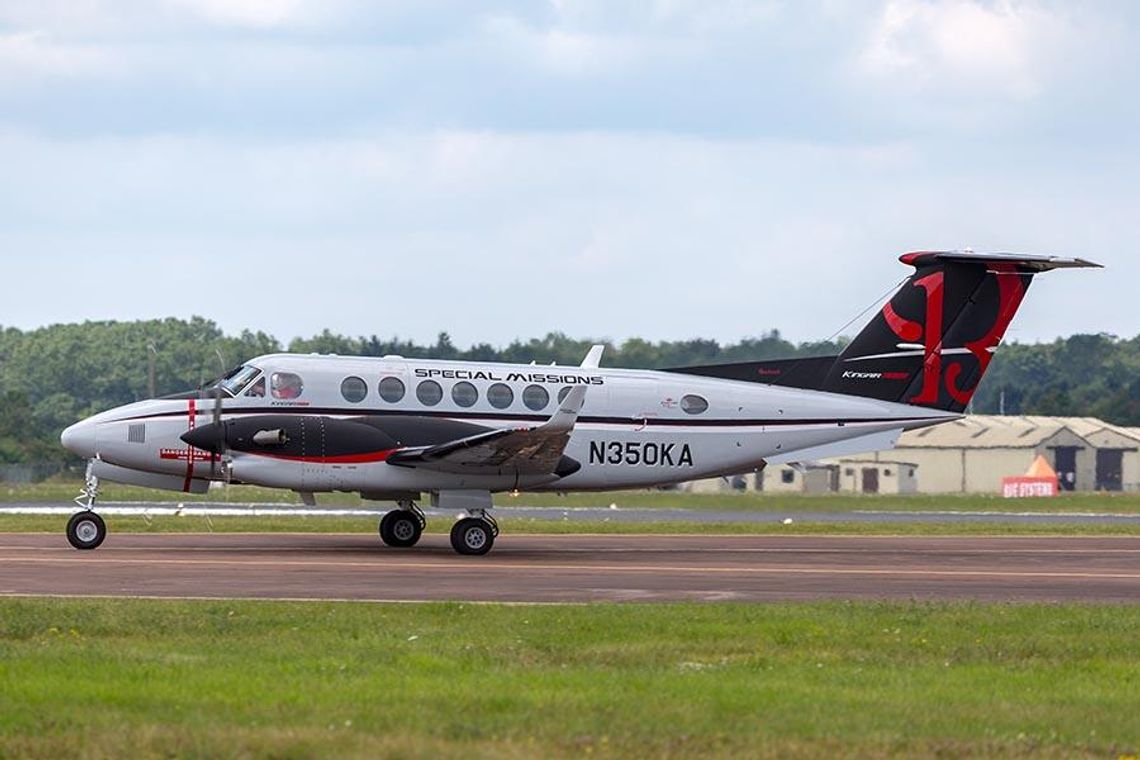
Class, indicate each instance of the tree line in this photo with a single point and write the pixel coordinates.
(54, 376)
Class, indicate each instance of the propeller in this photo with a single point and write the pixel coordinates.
(220, 449)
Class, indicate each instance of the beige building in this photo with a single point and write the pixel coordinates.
(971, 455)
(816, 477)
(869, 475)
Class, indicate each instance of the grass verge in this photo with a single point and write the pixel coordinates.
(1119, 503)
(238, 679)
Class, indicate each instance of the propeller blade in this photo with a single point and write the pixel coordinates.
(219, 450)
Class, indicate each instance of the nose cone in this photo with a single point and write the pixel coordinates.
(80, 439)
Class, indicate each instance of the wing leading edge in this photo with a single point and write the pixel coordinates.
(534, 450)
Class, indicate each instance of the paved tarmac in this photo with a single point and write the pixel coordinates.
(578, 568)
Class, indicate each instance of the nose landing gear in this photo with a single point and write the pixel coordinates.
(86, 530)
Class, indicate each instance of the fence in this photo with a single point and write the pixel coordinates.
(34, 472)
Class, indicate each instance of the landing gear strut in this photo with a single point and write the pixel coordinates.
(475, 534)
(86, 530)
(403, 526)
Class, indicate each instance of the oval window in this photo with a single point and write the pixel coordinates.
(694, 404)
(562, 394)
(392, 389)
(535, 397)
(429, 393)
(354, 390)
(464, 394)
(286, 385)
(501, 396)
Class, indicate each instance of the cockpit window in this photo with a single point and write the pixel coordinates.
(236, 382)
(286, 385)
(257, 390)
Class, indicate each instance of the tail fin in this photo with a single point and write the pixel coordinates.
(932, 342)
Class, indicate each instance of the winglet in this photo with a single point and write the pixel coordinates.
(594, 358)
(571, 406)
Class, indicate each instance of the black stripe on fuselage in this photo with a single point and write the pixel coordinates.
(539, 418)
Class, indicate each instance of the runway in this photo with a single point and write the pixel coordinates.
(579, 568)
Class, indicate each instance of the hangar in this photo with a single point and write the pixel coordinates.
(971, 455)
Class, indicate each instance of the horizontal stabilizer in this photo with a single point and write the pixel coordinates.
(1024, 261)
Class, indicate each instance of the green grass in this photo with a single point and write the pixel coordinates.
(227, 679)
(1121, 503)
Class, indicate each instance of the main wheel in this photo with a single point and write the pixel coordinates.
(472, 536)
(401, 528)
(86, 530)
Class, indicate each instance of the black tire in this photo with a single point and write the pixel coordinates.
(472, 536)
(86, 531)
(401, 529)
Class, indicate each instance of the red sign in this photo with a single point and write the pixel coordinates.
(1027, 488)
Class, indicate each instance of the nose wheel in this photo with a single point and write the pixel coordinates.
(86, 530)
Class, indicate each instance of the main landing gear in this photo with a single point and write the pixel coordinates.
(402, 527)
(86, 530)
(474, 534)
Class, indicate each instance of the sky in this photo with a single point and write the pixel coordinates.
(666, 169)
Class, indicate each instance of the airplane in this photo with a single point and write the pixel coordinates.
(394, 428)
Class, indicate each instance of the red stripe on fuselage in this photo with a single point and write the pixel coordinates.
(372, 457)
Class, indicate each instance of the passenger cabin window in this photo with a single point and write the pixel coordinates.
(257, 390)
(562, 394)
(536, 398)
(501, 396)
(286, 385)
(464, 394)
(392, 389)
(694, 405)
(429, 393)
(354, 390)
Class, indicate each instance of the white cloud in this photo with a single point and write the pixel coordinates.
(26, 56)
(1007, 47)
(598, 234)
(249, 13)
(561, 51)
(665, 168)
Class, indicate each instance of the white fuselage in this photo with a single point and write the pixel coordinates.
(636, 429)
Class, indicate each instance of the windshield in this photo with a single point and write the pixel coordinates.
(235, 382)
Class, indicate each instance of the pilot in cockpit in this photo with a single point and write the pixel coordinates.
(286, 385)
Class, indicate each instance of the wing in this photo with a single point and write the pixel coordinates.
(535, 450)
